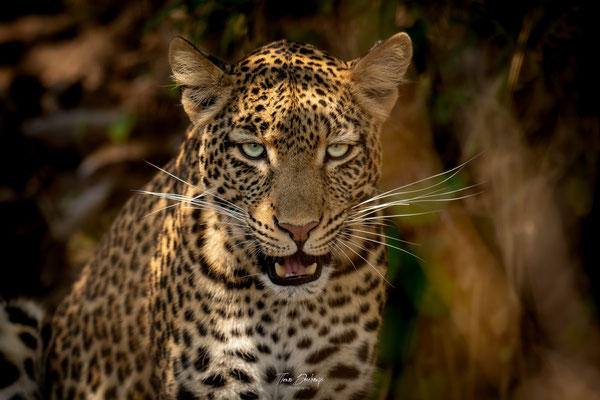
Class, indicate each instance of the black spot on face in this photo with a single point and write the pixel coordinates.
(215, 380)
(29, 340)
(363, 352)
(18, 316)
(241, 375)
(189, 315)
(342, 371)
(202, 359)
(246, 356)
(263, 348)
(372, 325)
(322, 354)
(9, 373)
(344, 337)
(184, 394)
(248, 396)
(305, 343)
(270, 374)
(187, 338)
(28, 364)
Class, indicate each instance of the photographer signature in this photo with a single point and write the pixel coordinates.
(286, 378)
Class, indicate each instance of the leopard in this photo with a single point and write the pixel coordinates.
(250, 266)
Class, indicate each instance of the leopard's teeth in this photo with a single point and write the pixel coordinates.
(280, 270)
(311, 269)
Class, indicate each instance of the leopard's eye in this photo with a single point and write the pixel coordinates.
(253, 150)
(337, 151)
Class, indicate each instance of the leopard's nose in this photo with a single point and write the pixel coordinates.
(299, 232)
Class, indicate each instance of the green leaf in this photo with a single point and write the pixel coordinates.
(120, 130)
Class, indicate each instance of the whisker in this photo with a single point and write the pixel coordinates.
(216, 208)
(198, 205)
(360, 219)
(203, 205)
(385, 244)
(345, 255)
(247, 276)
(435, 193)
(367, 261)
(195, 187)
(192, 200)
(385, 236)
(451, 199)
(195, 207)
(159, 210)
(223, 223)
(374, 224)
(418, 199)
(242, 234)
(392, 191)
(244, 242)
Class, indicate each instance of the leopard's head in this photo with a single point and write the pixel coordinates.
(288, 144)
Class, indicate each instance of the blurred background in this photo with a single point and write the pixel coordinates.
(503, 302)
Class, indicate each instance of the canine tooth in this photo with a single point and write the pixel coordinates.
(311, 269)
(280, 269)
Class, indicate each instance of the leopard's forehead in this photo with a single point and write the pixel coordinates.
(290, 94)
(289, 58)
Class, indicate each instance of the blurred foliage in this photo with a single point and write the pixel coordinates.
(120, 130)
(197, 19)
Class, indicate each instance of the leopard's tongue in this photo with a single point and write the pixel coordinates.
(293, 266)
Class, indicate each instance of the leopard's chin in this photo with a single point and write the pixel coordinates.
(295, 270)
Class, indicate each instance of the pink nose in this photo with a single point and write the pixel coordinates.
(299, 232)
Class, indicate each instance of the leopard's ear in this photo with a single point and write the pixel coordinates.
(376, 75)
(205, 86)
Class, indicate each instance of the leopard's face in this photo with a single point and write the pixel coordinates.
(290, 137)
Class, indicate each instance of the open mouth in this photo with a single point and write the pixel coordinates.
(297, 269)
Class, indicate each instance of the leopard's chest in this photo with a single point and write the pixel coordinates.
(251, 340)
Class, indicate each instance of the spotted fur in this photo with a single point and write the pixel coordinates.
(20, 350)
(177, 302)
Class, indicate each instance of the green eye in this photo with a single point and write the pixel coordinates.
(252, 150)
(338, 150)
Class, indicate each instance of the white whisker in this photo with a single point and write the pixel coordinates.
(393, 192)
(192, 200)
(426, 200)
(361, 219)
(385, 244)
(196, 187)
(249, 275)
(367, 261)
(345, 255)
(223, 223)
(385, 236)
(435, 193)
(418, 199)
(200, 204)
(159, 210)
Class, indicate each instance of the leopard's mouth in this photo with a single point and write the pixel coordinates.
(298, 269)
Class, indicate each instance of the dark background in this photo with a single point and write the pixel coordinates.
(505, 303)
